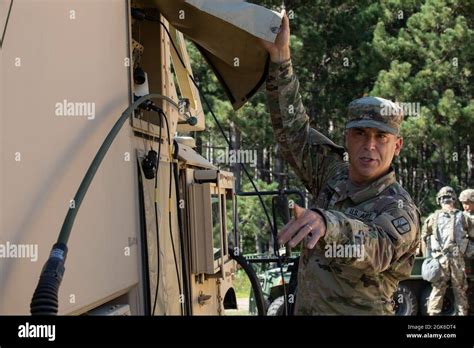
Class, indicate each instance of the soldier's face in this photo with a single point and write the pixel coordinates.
(468, 206)
(370, 153)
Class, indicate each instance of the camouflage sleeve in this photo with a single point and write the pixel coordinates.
(469, 226)
(388, 241)
(427, 229)
(310, 153)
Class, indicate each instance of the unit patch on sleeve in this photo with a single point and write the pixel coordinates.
(401, 224)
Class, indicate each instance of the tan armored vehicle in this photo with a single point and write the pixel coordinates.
(98, 108)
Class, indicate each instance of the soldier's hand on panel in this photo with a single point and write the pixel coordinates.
(280, 50)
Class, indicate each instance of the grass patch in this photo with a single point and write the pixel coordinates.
(242, 284)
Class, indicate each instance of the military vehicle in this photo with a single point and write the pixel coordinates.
(411, 297)
(271, 282)
(101, 180)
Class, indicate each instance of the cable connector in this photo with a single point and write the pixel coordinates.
(45, 297)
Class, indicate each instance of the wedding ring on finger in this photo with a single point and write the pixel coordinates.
(310, 234)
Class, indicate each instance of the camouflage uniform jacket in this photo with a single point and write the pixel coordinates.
(381, 218)
(470, 246)
(470, 216)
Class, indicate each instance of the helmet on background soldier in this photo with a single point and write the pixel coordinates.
(446, 195)
(467, 196)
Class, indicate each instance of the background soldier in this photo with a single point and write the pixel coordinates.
(445, 233)
(467, 200)
(359, 203)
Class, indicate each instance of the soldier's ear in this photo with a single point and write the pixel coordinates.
(398, 145)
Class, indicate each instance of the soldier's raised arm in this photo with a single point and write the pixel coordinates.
(309, 152)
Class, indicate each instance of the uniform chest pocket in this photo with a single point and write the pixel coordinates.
(346, 273)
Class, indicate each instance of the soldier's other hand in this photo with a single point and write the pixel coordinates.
(306, 224)
(280, 50)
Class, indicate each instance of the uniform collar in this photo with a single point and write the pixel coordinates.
(450, 211)
(360, 194)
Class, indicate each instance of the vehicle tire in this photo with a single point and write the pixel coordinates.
(448, 301)
(406, 303)
(277, 307)
(255, 283)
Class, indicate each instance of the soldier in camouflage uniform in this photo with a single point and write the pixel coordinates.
(467, 200)
(359, 203)
(446, 233)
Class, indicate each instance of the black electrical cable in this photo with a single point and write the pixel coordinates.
(256, 287)
(156, 218)
(181, 282)
(142, 16)
(186, 285)
(185, 303)
(143, 242)
(169, 212)
(285, 304)
(272, 228)
(45, 297)
(223, 133)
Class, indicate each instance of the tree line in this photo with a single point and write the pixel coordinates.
(416, 52)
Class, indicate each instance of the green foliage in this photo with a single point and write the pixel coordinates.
(242, 284)
(253, 224)
(431, 62)
(411, 51)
